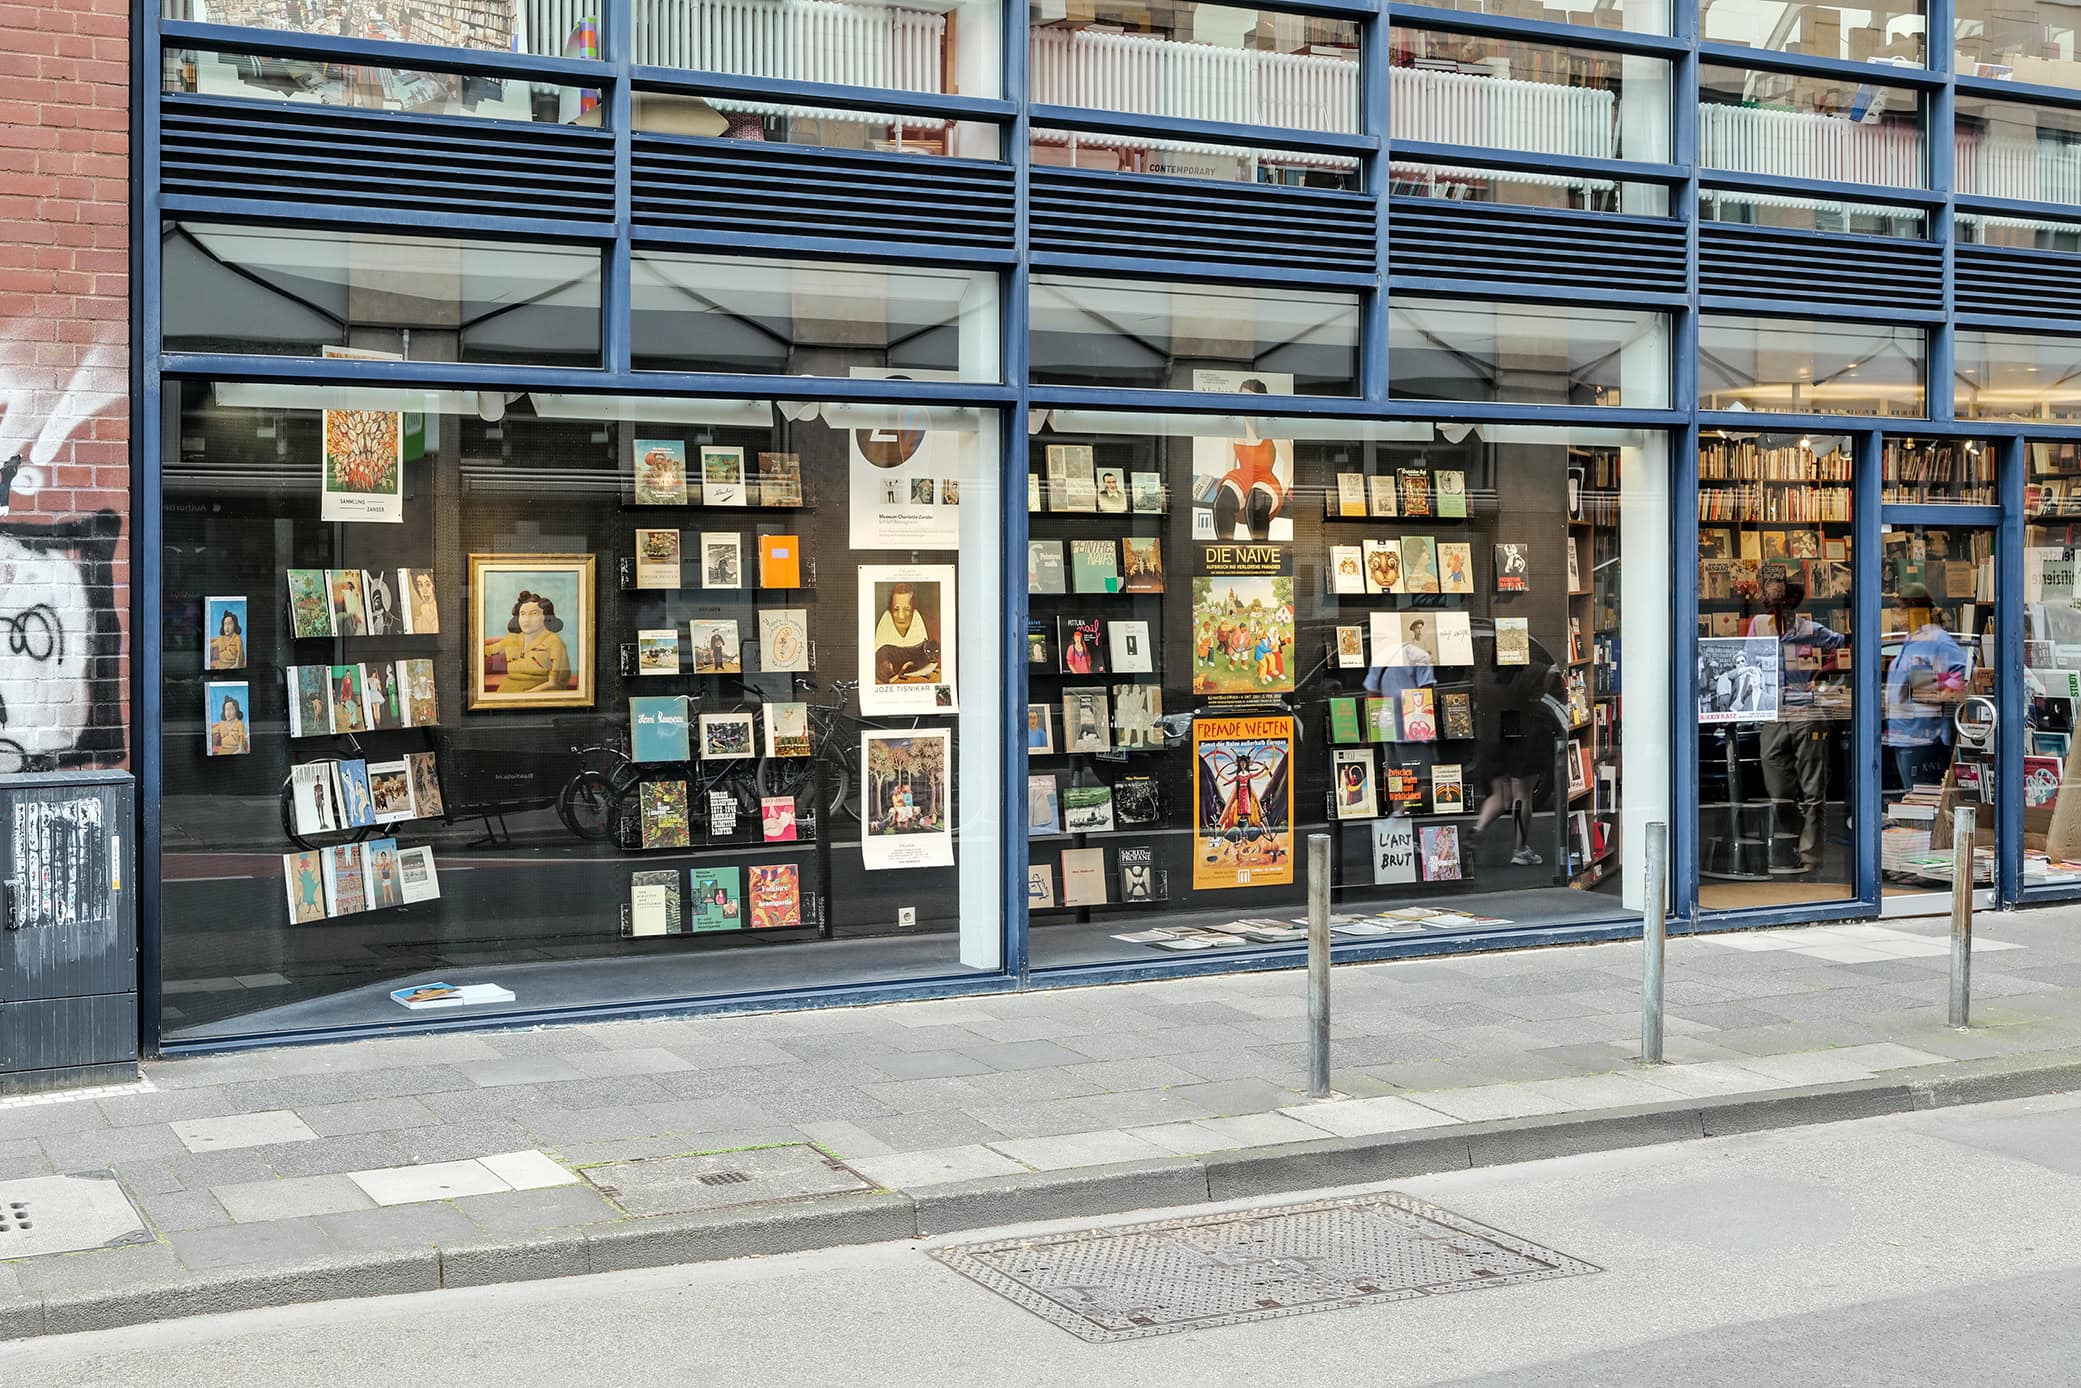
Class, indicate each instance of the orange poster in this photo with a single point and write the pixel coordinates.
(1242, 802)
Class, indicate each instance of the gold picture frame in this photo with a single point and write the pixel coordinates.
(551, 650)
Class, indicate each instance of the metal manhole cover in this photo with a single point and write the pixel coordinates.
(1186, 1274)
(66, 1214)
(681, 1185)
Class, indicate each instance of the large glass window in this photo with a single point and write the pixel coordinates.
(1800, 366)
(1795, 125)
(1524, 188)
(1860, 33)
(314, 82)
(1811, 214)
(1775, 685)
(563, 701)
(2045, 783)
(1109, 152)
(1537, 354)
(811, 318)
(495, 26)
(2009, 150)
(1479, 89)
(1925, 472)
(1246, 629)
(2021, 40)
(2020, 233)
(2016, 376)
(1197, 61)
(1105, 332)
(286, 291)
(936, 46)
(823, 127)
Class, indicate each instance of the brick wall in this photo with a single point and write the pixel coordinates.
(64, 382)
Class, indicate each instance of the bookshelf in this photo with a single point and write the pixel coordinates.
(1921, 471)
(1592, 650)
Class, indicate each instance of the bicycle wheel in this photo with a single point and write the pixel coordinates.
(288, 800)
(586, 805)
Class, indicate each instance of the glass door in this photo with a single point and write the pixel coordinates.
(1939, 681)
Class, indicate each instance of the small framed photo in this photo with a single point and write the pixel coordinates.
(531, 631)
(726, 736)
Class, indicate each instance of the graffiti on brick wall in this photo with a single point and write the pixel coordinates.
(60, 643)
(41, 412)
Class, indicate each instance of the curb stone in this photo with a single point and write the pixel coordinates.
(804, 1225)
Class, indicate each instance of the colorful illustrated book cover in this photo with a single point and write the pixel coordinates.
(1242, 802)
(660, 472)
(665, 821)
(775, 890)
(715, 899)
(1243, 620)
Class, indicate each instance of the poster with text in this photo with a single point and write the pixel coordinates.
(1241, 480)
(363, 464)
(1242, 620)
(1738, 679)
(907, 638)
(1242, 802)
(906, 802)
(906, 474)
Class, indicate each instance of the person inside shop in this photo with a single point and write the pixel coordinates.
(905, 651)
(1928, 676)
(1511, 704)
(1795, 747)
(228, 646)
(536, 657)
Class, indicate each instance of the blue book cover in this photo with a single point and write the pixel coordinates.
(358, 809)
(657, 728)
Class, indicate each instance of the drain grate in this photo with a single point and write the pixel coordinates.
(714, 1180)
(65, 1214)
(1187, 1274)
(724, 1178)
(15, 1215)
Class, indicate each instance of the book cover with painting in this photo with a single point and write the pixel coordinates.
(780, 479)
(1347, 570)
(1419, 716)
(775, 893)
(1141, 564)
(1513, 641)
(303, 875)
(787, 729)
(1451, 495)
(1455, 713)
(1448, 790)
(1415, 484)
(1441, 852)
(722, 476)
(665, 820)
(714, 899)
(654, 904)
(777, 818)
(657, 651)
(310, 603)
(660, 469)
(1087, 809)
(1352, 777)
(1455, 567)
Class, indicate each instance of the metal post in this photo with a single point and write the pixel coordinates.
(1318, 966)
(1961, 915)
(1653, 938)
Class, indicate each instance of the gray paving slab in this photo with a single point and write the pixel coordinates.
(367, 1116)
(401, 1226)
(523, 1069)
(330, 1156)
(1023, 1055)
(912, 1132)
(133, 1110)
(244, 1245)
(640, 1060)
(255, 1202)
(926, 1065)
(532, 1211)
(456, 1141)
(178, 1211)
(1047, 1118)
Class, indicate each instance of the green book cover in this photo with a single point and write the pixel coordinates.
(1382, 720)
(715, 899)
(1344, 720)
(1452, 495)
(1094, 566)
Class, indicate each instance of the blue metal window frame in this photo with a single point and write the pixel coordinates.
(616, 75)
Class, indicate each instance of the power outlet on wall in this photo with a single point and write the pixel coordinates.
(906, 915)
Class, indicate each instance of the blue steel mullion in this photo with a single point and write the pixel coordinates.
(1866, 713)
(1375, 115)
(1017, 354)
(1937, 118)
(1854, 70)
(1684, 794)
(146, 528)
(2010, 695)
(617, 307)
(1737, 181)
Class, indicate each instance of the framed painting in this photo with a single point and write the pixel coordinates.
(531, 631)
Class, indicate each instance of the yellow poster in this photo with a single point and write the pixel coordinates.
(1242, 802)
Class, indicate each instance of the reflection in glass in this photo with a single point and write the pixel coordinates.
(1801, 366)
(1811, 214)
(584, 855)
(1938, 650)
(1774, 680)
(1458, 349)
(2044, 783)
(938, 46)
(1800, 126)
(2009, 150)
(1523, 188)
(490, 26)
(304, 81)
(1860, 33)
(2019, 40)
(1195, 61)
(825, 127)
(286, 291)
(1921, 472)
(1105, 332)
(1417, 627)
(1478, 89)
(2021, 376)
(811, 318)
(2020, 233)
(1151, 155)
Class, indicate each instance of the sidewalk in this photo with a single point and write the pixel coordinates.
(420, 1162)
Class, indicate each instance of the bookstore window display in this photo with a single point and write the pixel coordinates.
(1532, 354)
(1804, 366)
(1162, 335)
(2016, 376)
(285, 291)
(1938, 658)
(2049, 799)
(1775, 678)
(1242, 630)
(1796, 125)
(578, 701)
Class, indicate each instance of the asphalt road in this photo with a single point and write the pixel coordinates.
(1936, 1248)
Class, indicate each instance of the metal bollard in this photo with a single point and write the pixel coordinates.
(1653, 940)
(1962, 829)
(1318, 966)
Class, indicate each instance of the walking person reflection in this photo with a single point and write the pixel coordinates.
(1795, 747)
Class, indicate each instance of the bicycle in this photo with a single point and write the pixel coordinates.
(835, 758)
(356, 834)
(602, 802)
